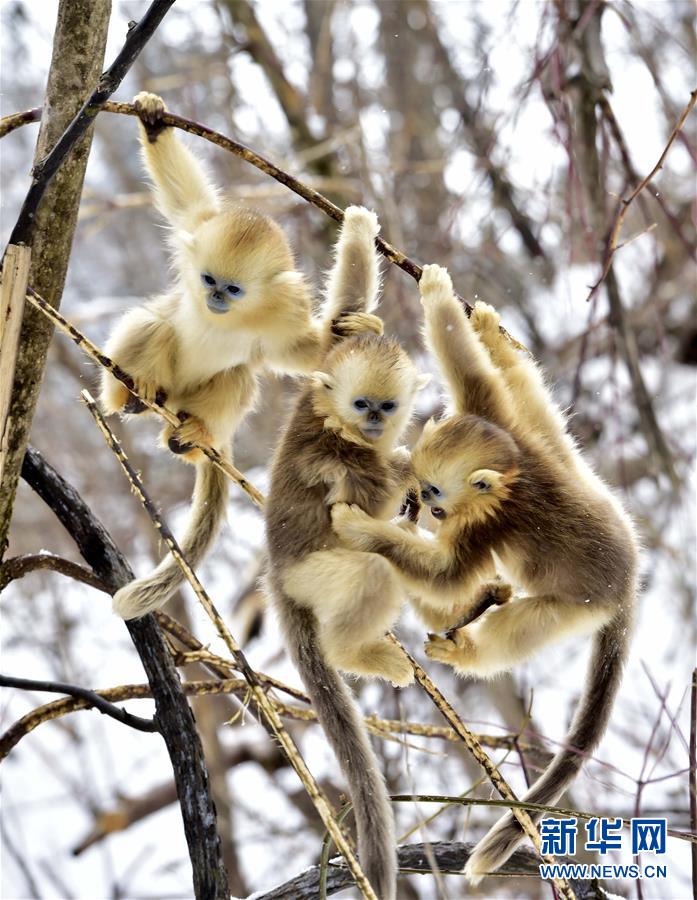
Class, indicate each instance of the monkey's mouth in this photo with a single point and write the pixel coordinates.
(218, 305)
(438, 512)
(373, 434)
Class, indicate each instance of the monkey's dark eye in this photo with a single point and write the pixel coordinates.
(481, 485)
(207, 279)
(360, 404)
(389, 406)
(433, 489)
(234, 290)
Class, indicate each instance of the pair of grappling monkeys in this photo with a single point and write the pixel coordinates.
(507, 486)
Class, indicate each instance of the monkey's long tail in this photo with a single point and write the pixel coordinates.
(341, 721)
(207, 512)
(610, 649)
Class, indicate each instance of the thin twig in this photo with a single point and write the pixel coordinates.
(303, 190)
(93, 699)
(137, 38)
(19, 566)
(255, 687)
(496, 778)
(612, 245)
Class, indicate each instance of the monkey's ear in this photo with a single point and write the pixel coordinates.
(322, 379)
(422, 380)
(486, 480)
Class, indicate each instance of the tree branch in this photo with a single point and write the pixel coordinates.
(90, 697)
(263, 702)
(43, 171)
(418, 858)
(19, 566)
(613, 239)
(173, 713)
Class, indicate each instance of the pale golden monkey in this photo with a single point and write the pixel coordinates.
(335, 604)
(237, 305)
(502, 476)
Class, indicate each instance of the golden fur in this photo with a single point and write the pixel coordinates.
(510, 491)
(202, 363)
(335, 604)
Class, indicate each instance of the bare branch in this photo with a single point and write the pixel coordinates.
(257, 691)
(613, 241)
(90, 697)
(19, 566)
(43, 172)
(173, 713)
(418, 858)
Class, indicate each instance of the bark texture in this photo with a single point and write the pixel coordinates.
(76, 64)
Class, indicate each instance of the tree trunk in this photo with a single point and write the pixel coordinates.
(76, 64)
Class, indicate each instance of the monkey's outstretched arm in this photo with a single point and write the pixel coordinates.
(534, 404)
(475, 385)
(353, 282)
(430, 566)
(183, 193)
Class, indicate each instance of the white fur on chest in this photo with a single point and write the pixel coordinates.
(205, 350)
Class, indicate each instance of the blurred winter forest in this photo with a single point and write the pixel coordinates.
(495, 139)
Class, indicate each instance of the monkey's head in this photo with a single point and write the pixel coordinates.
(466, 466)
(231, 260)
(367, 389)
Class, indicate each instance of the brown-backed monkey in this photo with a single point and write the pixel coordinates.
(237, 304)
(505, 482)
(335, 604)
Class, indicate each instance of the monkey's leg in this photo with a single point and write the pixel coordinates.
(183, 193)
(211, 414)
(514, 632)
(356, 599)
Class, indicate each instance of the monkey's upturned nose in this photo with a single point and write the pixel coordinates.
(217, 303)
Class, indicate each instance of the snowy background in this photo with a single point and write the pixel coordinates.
(458, 123)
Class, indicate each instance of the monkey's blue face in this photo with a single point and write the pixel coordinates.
(220, 293)
(372, 415)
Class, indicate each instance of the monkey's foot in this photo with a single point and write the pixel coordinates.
(495, 593)
(348, 324)
(181, 439)
(352, 524)
(459, 651)
(381, 659)
(361, 221)
(435, 284)
(150, 108)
